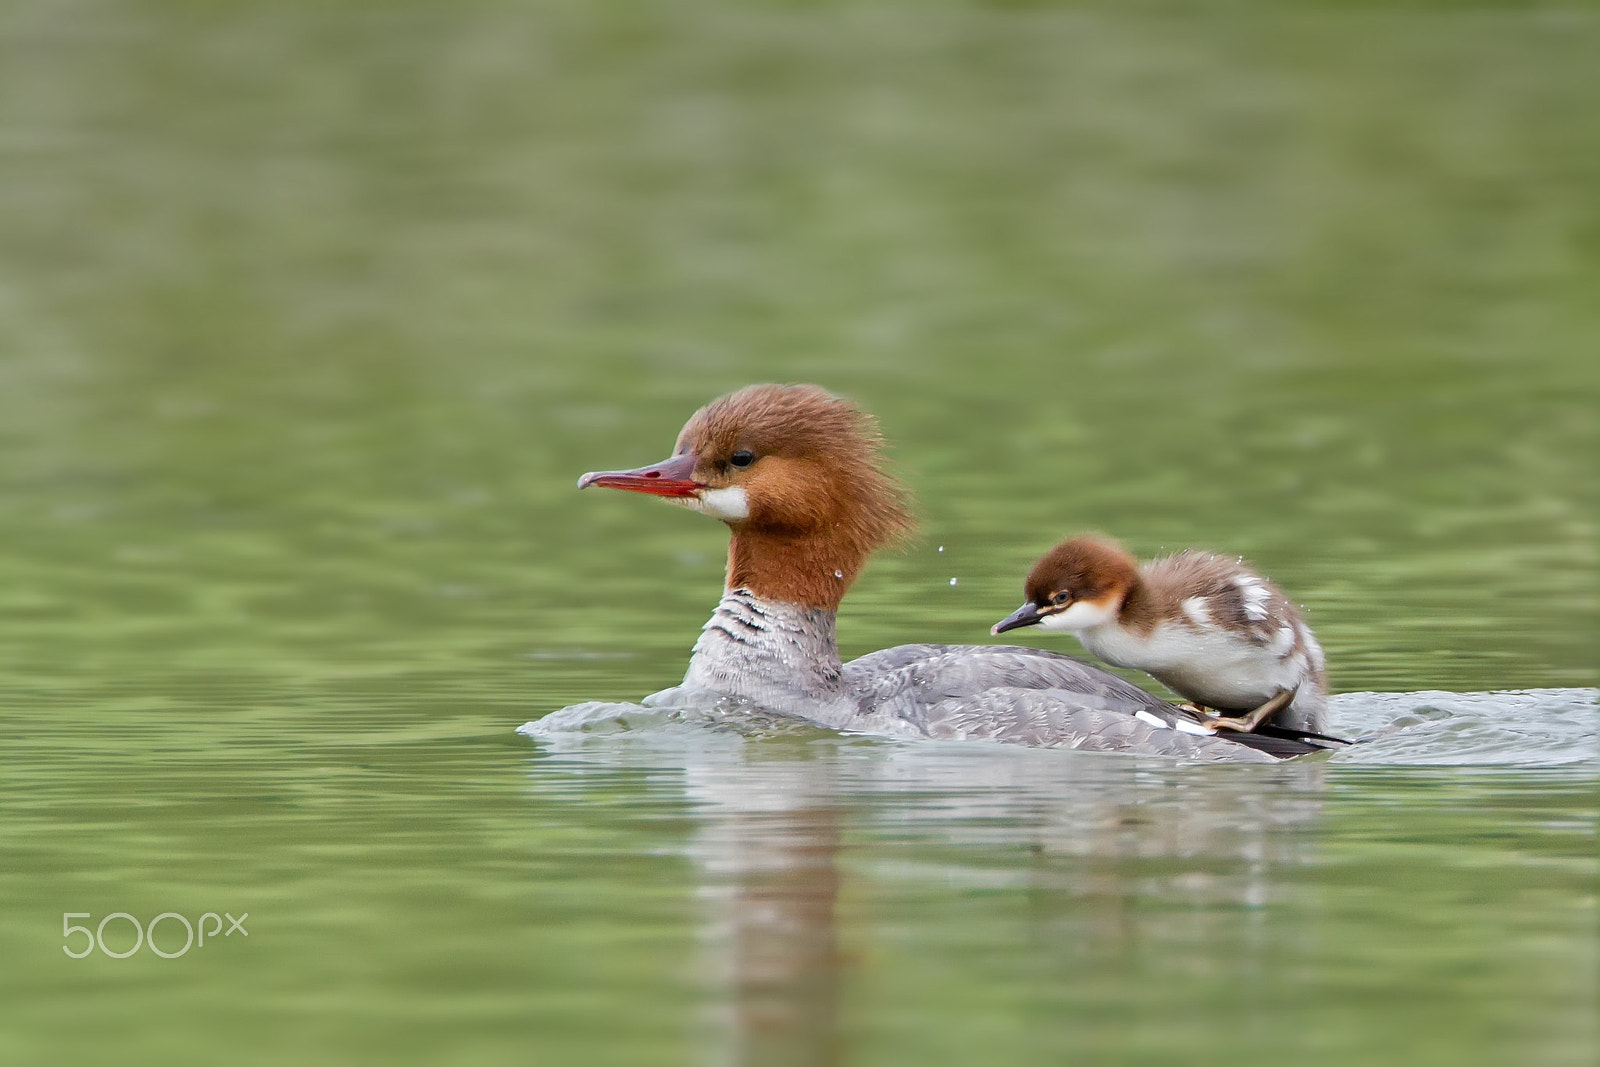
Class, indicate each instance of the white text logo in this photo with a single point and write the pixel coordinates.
(146, 935)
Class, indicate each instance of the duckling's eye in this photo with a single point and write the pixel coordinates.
(742, 458)
(1060, 599)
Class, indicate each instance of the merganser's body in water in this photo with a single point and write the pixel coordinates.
(794, 473)
(1205, 625)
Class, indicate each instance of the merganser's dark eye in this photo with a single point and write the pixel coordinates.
(1060, 599)
(742, 458)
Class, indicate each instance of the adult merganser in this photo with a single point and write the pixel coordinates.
(1206, 626)
(794, 472)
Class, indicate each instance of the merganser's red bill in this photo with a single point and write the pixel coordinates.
(670, 477)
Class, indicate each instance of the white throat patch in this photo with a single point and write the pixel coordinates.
(729, 505)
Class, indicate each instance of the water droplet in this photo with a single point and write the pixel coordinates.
(952, 581)
(838, 574)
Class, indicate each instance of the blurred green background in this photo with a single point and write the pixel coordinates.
(332, 303)
(311, 314)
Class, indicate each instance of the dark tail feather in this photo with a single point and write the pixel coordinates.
(1290, 733)
(1281, 747)
(1285, 742)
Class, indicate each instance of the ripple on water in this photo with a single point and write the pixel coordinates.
(1516, 728)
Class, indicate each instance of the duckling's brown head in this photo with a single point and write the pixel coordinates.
(1080, 583)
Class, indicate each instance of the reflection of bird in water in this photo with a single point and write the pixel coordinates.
(1101, 852)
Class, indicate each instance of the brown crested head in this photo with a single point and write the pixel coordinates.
(817, 500)
(806, 459)
(1081, 568)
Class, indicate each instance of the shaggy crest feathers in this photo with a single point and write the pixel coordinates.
(819, 502)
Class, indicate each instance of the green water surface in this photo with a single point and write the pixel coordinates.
(311, 315)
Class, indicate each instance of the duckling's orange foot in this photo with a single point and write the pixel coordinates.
(1247, 723)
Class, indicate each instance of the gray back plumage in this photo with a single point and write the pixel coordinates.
(786, 658)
